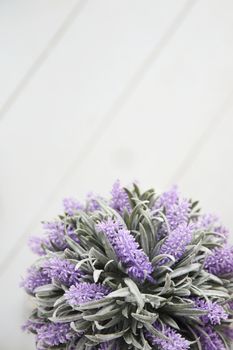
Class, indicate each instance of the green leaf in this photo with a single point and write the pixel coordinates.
(135, 291)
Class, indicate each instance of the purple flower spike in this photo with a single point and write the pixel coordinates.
(84, 292)
(35, 278)
(71, 206)
(177, 214)
(210, 222)
(177, 242)
(176, 210)
(174, 342)
(119, 200)
(168, 198)
(216, 313)
(61, 270)
(220, 261)
(92, 203)
(33, 325)
(56, 233)
(212, 341)
(53, 334)
(127, 250)
(35, 243)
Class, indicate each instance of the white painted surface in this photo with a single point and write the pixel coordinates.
(97, 90)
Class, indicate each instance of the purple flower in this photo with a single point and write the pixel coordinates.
(215, 314)
(230, 304)
(56, 233)
(120, 199)
(36, 245)
(167, 199)
(174, 342)
(220, 261)
(177, 241)
(212, 340)
(52, 334)
(228, 332)
(207, 221)
(178, 214)
(127, 250)
(211, 222)
(71, 206)
(176, 210)
(61, 270)
(35, 278)
(84, 292)
(33, 325)
(92, 202)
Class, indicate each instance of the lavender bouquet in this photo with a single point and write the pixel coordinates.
(137, 271)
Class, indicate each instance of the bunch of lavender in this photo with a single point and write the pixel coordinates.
(139, 270)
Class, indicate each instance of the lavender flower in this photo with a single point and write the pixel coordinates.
(84, 292)
(220, 261)
(167, 199)
(178, 214)
(177, 241)
(212, 340)
(176, 210)
(71, 206)
(61, 270)
(127, 250)
(36, 244)
(207, 221)
(174, 342)
(92, 202)
(120, 199)
(33, 326)
(210, 222)
(35, 278)
(56, 232)
(216, 314)
(52, 334)
(228, 332)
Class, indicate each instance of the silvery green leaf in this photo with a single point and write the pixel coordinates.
(76, 247)
(119, 293)
(105, 313)
(94, 304)
(105, 337)
(169, 321)
(154, 331)
(145, 318)
(160, 257)
(96, 275)
(135, 292)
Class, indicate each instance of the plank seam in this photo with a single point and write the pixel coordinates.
(42, 57)
(106, 121)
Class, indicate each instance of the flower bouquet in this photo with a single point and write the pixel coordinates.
(139, 270)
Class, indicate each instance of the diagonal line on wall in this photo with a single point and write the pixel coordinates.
(53, 42)
(107, 119)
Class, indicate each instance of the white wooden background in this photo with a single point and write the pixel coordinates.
(91, 91)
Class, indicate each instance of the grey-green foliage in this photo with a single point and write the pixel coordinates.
(132, 308)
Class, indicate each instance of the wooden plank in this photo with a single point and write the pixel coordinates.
(57, 115)
(209, 177)
(178, 98)
(27, 29)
